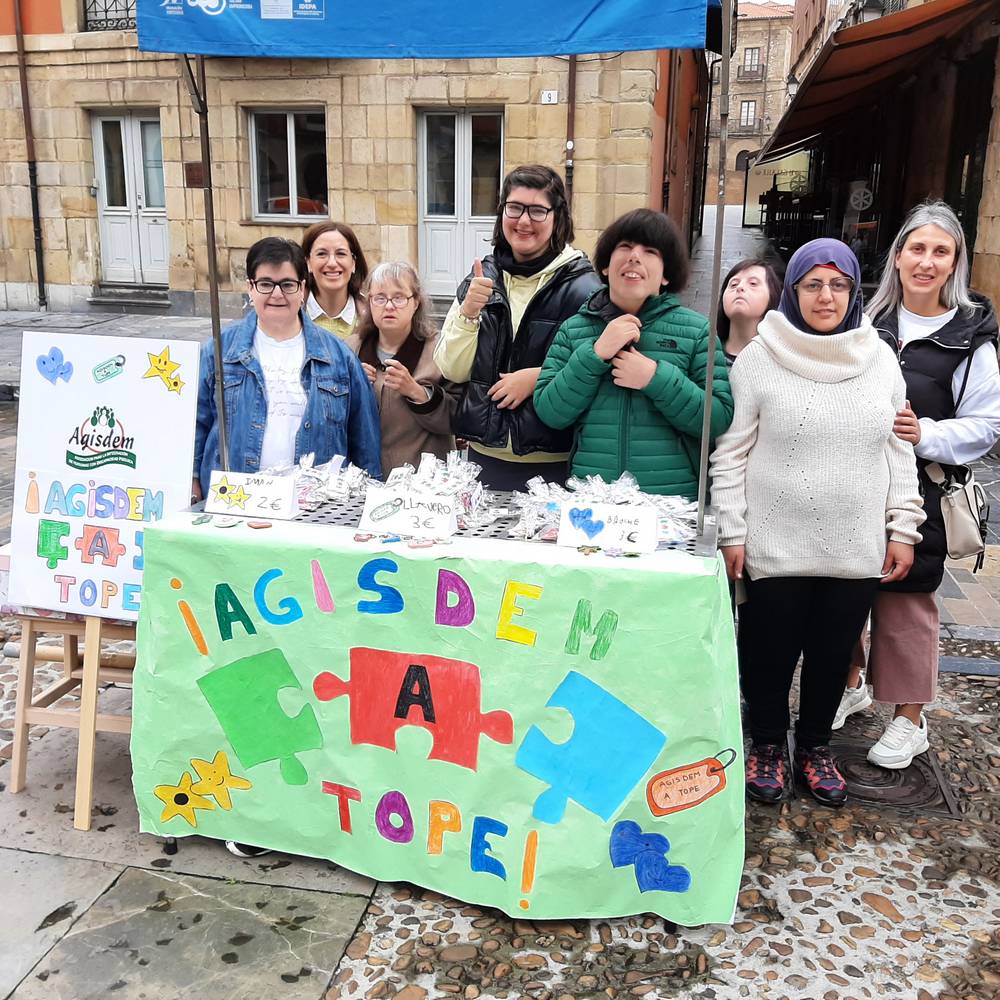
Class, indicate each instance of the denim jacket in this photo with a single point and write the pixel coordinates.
(340, 418)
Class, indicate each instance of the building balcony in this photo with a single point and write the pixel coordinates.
(755, 127)
(750, 73)
(109, 15)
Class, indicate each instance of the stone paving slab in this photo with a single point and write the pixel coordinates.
(12, 324)
(43, 895)
(168, 936)
(40, 819)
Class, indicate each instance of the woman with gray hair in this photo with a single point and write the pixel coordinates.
(394, 340)
(946, 338)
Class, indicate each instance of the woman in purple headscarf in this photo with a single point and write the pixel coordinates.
(818, 501)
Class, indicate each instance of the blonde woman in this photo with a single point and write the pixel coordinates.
(395, 343)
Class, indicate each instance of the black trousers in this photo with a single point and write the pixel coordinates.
(500, 475)
(818, 618)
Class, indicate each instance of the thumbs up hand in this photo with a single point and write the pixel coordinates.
(480, 290)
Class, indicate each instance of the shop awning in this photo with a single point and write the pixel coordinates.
(396, 29)
(855, 65)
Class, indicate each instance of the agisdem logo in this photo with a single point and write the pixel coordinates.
(100, 440)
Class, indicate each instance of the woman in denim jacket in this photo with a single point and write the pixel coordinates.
(290, 387)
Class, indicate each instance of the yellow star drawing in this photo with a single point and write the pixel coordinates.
(181, 800)
(215, 779)
(174, 384)
(238, 498)
(222, 489)
(160, 365)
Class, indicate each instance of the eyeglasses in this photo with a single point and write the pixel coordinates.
(265, 286)
(397, 300)
(838, 286)
(537, 213)
(338, 255)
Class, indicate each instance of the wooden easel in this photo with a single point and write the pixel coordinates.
(88, 675)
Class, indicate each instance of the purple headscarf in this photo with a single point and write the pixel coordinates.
(814, 254)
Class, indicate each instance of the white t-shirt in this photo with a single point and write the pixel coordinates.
(281, 361)
(975, 428)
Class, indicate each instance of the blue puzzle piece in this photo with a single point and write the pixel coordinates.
(611, 748)
(648, 852)
(244, 697)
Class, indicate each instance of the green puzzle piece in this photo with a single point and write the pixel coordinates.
(244, 696)
(50, 536)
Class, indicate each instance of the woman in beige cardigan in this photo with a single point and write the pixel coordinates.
(394, 341)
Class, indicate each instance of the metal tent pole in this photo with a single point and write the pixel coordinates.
(199, 102)
(720, 212)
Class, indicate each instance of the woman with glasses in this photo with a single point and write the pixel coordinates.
(946, 339)
(818, 501)
(290, 388)
(395, 342)
(337, 270)
(501, 324)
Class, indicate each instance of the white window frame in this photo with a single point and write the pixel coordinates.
(751, 64)
(744, 121)
(293, 188)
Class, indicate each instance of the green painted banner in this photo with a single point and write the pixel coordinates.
(548, 732)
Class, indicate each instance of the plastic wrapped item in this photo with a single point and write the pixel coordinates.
(539, 509)
(334, 481)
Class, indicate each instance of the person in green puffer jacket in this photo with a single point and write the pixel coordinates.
(628, 370)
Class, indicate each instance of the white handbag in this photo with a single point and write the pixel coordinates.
(965, 511)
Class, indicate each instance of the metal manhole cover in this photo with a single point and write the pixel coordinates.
(918, 786)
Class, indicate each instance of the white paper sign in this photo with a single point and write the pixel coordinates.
(252, 495)
(105, 445)
(396, 510)
(608, 526)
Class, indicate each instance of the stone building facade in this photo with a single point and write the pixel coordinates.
(758, 92)
(408, 152)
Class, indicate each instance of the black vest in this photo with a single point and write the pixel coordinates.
(498, 350)
(928, 367)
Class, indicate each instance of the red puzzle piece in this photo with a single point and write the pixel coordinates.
(381, 680)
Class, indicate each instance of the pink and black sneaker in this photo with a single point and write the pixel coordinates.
(766, 772)
(819, 770)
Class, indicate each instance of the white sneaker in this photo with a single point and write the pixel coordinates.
(855, 699)
(900, 743)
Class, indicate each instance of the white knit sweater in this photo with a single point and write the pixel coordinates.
(810, 477)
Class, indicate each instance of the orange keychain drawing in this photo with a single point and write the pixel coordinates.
(688, 785)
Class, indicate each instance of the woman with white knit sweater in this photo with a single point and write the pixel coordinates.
(818, 501)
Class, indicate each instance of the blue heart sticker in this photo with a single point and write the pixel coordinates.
(52, 367)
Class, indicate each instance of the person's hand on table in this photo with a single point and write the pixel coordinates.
(513, 388)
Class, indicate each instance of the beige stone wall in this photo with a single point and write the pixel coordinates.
(371, 110)
(986, 261)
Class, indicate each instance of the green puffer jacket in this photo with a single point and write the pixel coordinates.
(654, 433)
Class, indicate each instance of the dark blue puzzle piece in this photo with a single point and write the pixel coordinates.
(611, 748)
(648, 853)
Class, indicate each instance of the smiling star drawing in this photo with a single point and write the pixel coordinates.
(161, 367)
(181, 800)
(215, 779)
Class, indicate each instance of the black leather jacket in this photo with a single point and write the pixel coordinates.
(928, 367)
(498, 350)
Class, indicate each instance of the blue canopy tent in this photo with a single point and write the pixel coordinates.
(429, 29)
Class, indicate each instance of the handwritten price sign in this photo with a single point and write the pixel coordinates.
(252, 495)
(393, 510)
(608, 526)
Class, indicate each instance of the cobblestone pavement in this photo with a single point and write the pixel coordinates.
(866, 902)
